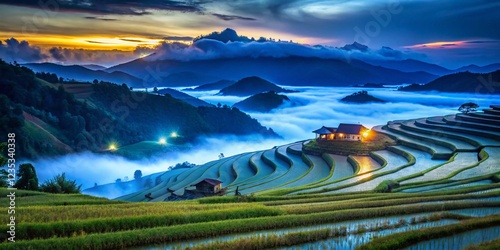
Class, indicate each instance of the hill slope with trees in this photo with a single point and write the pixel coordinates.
(250, 86)
(37, 111)
(263, 102)
(361, 97)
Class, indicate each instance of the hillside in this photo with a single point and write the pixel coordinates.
(480, 69)
(361, 97)
(103, 113)
(262, 102)
(438, 188)
(213, 86)
(85, 74)
(250, 86)
(93, 67)
(463, 82)
(184, 97)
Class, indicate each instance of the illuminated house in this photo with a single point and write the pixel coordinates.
(347, 132)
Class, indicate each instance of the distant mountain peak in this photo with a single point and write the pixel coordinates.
(225, 36)
(355, 46)
(229, 32)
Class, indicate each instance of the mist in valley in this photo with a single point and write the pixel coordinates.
(313, 107)
(308, 110)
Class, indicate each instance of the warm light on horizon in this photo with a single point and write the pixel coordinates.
(174, 135)
(438, 45)
(112, 147)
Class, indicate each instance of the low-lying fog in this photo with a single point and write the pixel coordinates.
(317, 106)
(311, 108)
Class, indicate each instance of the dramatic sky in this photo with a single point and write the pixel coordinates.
(450, 32)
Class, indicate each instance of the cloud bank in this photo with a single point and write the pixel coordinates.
(206, 49)
(23, 52)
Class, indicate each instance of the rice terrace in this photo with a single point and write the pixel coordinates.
(435, 186)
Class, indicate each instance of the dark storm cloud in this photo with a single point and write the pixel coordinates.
(233, 17)
(117, 7)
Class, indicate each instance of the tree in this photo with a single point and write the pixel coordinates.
(27, 177)
(60, 185)
(4, 178)
(468, 107)
(155, 89)
(137, 175)
(4, 175)
(95, 81)
(3, 159)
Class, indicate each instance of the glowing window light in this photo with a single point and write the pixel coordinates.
(366, 133)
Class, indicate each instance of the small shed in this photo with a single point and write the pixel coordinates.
(325, 133)
(210, 186)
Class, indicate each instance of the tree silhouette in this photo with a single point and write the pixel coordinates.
(59, 184)
(468, 107)
(137, 175)
(27, 177)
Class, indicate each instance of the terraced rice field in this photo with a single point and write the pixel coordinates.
(442, 180)
(433, 152)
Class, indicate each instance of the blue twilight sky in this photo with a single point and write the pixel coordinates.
(451, 33)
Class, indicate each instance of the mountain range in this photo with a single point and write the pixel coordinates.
(86, 73)
(296, 71)
(462, 82)
(228, 56)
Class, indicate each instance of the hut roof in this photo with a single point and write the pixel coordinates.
(350, 128)
(324, 130)
(212, 182)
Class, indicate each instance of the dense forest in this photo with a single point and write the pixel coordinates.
(48, 120)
